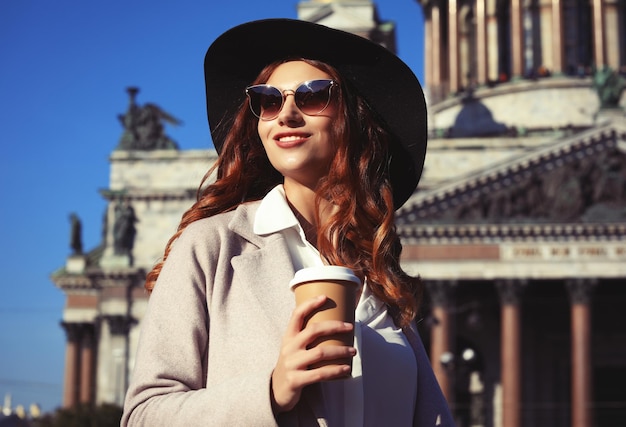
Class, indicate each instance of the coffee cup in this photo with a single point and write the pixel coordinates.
(340, 286)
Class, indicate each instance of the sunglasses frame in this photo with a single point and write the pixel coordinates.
(294, 92)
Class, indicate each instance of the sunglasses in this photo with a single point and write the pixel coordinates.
(311, 97)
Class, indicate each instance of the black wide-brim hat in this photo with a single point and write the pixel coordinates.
(388, 85)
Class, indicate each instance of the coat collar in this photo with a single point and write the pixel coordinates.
(242, 223)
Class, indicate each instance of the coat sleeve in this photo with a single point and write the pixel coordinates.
(168, 386)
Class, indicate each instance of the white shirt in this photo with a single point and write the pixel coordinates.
(383, 388)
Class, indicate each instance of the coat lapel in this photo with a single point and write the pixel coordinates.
(272, 268)
(270, 265)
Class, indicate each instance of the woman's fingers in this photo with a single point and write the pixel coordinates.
(291, 373)
(302, 337)
(304, 358)
(301, 312)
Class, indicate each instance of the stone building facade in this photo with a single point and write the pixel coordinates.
(518, 227)
(151, 184)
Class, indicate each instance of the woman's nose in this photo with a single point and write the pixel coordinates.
(290, 111)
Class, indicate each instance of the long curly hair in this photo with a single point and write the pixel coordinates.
(360, 233)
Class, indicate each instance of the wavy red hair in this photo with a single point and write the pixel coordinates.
(360, 234)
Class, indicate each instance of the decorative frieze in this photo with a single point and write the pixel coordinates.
(539, 251)
(546, 251)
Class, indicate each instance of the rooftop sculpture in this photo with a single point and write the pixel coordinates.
(143, 126)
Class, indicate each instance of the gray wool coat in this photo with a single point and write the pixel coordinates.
(212, 332)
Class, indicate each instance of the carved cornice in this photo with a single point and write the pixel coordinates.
(72, 282)
(96, 278)
(152, 195)
(473, 233)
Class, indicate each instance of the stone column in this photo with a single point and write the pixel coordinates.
(527, 28)
(442, 296)
(510, 348)
(517, 39)
(118, 327)
(614, 41)
(72, 364)
(481, 41)
(599, 53)
(87, 373)
(453, 46)
(557, 36)
(428, 49)
(546, 11)
(436, 54)
(580, 295)
(492, 41)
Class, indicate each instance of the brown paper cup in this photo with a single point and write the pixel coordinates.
(340, 285)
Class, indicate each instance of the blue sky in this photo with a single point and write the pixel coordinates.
(64, 68)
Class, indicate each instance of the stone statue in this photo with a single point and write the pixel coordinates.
(76, 240)
(609, 85)
(143, 126)
(124, 230)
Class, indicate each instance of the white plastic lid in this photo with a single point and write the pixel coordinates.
(325, 272)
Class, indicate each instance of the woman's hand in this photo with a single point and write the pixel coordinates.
(291, 373)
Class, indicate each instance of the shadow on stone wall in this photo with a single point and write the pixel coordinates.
(475, 120)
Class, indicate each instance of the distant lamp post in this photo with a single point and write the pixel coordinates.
(469, 355)
(467, 366)
(6, 408)
(447, 361)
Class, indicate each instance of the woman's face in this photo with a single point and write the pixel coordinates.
(299, 146)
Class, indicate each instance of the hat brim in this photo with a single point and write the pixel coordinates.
(388, 85)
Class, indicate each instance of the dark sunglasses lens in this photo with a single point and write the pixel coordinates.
(313, 97)
(265, 101)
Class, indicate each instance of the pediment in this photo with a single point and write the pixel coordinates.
(576, 183)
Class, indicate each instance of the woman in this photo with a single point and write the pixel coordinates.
(317, 148)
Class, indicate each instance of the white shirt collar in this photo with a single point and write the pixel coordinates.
(274, 213)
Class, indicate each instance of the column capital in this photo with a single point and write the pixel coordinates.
(74, 331)
(580, 290)
(441, 292)
(118, 324)
(510, 291)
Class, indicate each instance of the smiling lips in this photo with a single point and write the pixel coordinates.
(291, 139)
